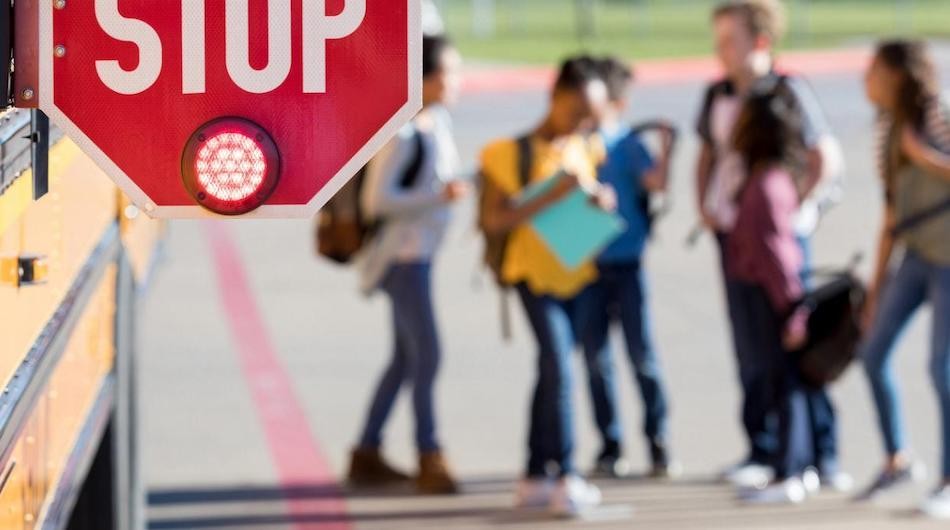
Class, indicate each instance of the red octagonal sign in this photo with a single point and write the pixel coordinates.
(257, 107)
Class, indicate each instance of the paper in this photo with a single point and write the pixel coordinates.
(575, 230)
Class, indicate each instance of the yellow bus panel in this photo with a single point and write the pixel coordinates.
(63, 227)
(58, 416)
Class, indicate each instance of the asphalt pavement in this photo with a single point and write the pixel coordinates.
(258, 361)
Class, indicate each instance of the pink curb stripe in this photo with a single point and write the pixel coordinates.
(849, 61)
(295, 452)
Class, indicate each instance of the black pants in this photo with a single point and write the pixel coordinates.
(778, 391)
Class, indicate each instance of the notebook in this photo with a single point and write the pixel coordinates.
(574, 229)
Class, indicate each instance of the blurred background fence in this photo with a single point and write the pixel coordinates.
(545, 30)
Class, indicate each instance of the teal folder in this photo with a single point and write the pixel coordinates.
(574, 229)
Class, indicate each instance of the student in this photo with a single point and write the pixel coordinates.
(412, 211)
(746, 32)
(763, 262)
(544, 286)
(620, 290)
(915, 162)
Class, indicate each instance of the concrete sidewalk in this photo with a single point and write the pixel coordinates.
(210, 463)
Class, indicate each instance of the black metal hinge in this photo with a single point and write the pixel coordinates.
(39, 136)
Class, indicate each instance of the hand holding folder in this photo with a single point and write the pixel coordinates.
(573, 228)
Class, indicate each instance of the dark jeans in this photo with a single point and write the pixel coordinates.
(551, 431)
(758, 422)
(620, 294)
(776, 391)
(415, 358)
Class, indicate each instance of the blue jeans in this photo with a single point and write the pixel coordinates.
(620, 293)
(757, 420)
(915, 282)
(551, 431)
(777, 390)
(416, 355)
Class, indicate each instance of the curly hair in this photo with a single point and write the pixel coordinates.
(919, 85)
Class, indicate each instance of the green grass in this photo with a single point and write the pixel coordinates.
(543, 31)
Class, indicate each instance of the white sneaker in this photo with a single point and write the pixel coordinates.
(748, 475)
(838, 482)
(534, 493)
(937, 506)
(812, 482)
(789, 491)
(573, 495)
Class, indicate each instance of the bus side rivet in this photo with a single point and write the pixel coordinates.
(59, 50)
(27, 94)
(59, 4)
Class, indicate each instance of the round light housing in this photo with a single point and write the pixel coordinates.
(230, 166)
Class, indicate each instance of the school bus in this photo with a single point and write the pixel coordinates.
(75, 259)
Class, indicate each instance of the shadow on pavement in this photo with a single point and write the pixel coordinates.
(211, 495)
(691, 503)
(253, 493)
(255, 521)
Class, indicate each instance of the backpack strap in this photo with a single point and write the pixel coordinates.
(704, 126)
(920, 218)
(938, 131)
(413, 171)
(407, 181)
(525, 164)
(525, 160)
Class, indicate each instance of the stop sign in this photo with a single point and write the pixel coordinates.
(256, 107)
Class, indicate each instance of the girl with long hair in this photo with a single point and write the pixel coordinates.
(915, 165)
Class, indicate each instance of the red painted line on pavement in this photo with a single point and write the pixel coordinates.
(668, 72)
(295, 452)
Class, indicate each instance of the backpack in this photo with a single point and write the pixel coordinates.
(343, 228)
(834, 329)
(651, 207)
(496, 245)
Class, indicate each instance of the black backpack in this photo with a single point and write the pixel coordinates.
(652, 208)
(343, 228)
(834, 329)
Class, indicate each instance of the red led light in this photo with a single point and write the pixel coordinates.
(230, 166)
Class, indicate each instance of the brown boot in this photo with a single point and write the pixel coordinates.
(434, 475)
(368, 469)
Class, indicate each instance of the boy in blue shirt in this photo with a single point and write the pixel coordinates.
(620, 291)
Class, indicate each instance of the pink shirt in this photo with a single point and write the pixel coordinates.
(762, 248)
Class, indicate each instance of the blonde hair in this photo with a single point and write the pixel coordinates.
(762, 17)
